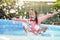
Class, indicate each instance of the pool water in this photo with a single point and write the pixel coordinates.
(15, 29)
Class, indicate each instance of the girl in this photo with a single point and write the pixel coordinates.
(34, 22)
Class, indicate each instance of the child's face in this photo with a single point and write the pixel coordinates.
(32, 15)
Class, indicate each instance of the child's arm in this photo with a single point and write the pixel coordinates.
(46, 17)
(21, 20)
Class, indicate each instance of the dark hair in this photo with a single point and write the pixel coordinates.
(36, 19)
(36, 16)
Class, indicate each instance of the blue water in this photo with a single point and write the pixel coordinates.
(10, 27)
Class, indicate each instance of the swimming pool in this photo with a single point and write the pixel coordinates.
(14, 28)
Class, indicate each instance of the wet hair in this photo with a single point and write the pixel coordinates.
(36, 19)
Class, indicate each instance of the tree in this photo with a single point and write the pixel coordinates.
(56, 5)
(9, 2)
